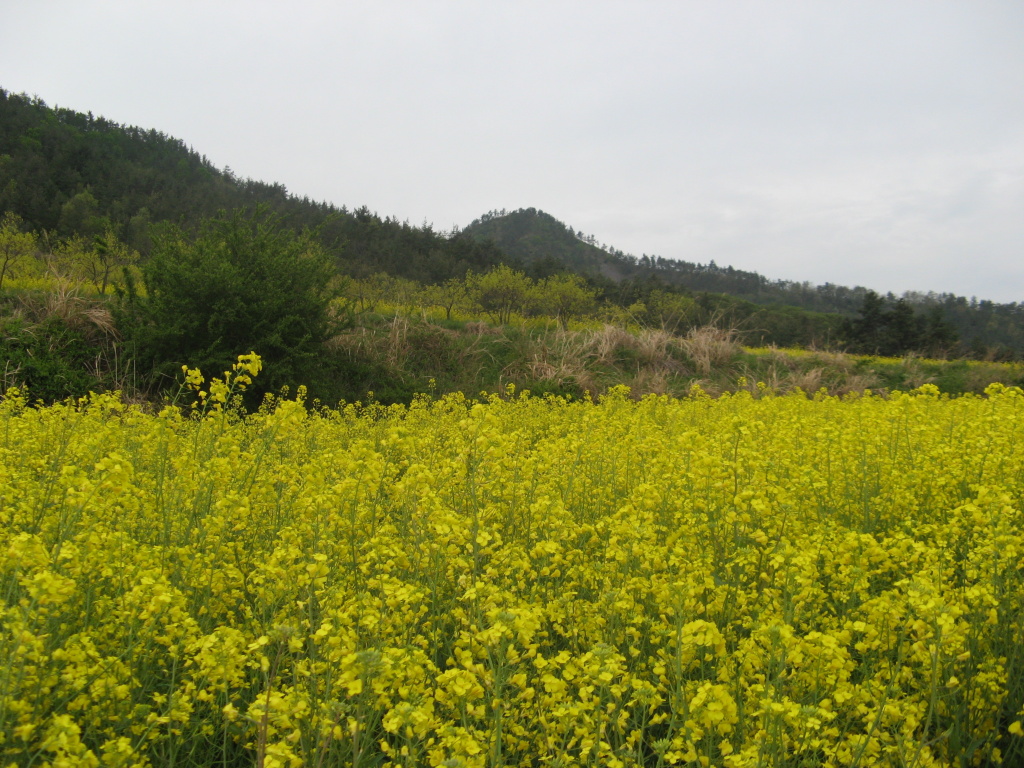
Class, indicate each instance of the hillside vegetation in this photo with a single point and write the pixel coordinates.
(125, 254)
(537, 237)
(67, 173)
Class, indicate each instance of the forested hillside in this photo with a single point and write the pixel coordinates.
(71, 174)
(68, 173)
(96, 196)
(534, 236)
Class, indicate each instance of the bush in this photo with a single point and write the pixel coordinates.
(245, 283)
(49, 359)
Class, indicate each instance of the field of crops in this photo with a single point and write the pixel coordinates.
(741, 581)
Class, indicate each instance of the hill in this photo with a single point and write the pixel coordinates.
(71, 175)
(535, 237)
(538, 238)
(66, 173)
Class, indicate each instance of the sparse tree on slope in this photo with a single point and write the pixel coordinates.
(16, 247)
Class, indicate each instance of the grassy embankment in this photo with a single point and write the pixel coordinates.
(471, 355)
(61, 340)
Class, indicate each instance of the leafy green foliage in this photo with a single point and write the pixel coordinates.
(564, 297)
(885, 327)
(71, 173)
(500, 292)
(16, 247)
(245, 283)
(49, 359)
(782, 312)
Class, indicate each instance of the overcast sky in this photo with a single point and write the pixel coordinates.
(871, 143)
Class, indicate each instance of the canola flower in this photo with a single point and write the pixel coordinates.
(736, 582)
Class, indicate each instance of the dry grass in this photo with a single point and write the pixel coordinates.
(655, 347)
(10, 377)
(711, 348)
(649, 361)
(833, 371)
(388, 344)
(837, 361)
(651, 381)
(561, 358)
(396, 350)
(652, 361)
(66, 302)
(915, 376)
(606, 344)
(810, 380)
(857, 382)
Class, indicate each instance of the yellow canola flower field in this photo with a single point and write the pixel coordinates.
(732, 582)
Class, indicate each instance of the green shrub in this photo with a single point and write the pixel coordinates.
(49, 359)
(245, 283)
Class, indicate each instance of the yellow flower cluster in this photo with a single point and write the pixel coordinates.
(736, 582)
(221, 391)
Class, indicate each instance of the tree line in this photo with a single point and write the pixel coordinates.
(97, 196)
(246, 282)
(982, 328)
(67, 173)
